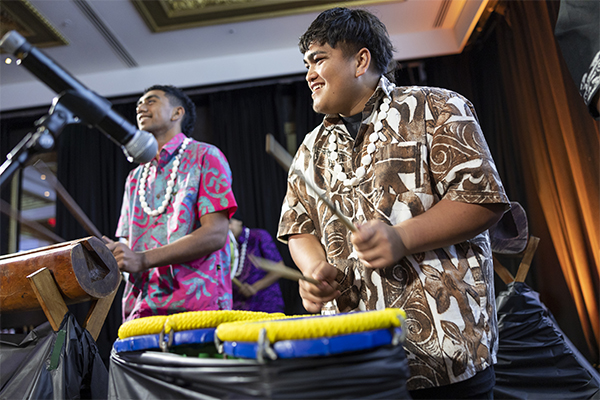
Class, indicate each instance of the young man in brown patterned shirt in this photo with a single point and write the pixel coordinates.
(409, 166)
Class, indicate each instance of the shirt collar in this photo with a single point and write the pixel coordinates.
(170, 147)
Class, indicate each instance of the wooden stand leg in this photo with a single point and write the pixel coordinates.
(97, 314)
(503, 272)
(54, 306)
(47, 293)
(527, 257)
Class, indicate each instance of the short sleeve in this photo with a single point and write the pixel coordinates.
(460, 161)
(215, 193)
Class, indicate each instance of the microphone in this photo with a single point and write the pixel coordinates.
(95, 110)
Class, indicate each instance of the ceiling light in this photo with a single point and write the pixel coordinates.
(7, 60)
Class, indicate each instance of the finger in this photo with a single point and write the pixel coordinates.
(372, 253)
(323, 288)
(376, 261)
(357, 239)
(313, 308)
(319, 297)
(326, 273)
(107, 240)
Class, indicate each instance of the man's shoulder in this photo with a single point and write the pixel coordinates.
(205, 148)
(435, 98)
(424, 92)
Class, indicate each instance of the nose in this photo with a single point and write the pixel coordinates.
(310, 75)
(140, 108)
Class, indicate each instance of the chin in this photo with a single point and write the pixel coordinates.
(319, 110)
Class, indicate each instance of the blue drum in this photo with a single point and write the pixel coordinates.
(336, 356)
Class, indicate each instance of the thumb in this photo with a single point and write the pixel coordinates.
(107, 240)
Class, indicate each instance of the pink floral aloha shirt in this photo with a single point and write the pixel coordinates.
(202, 186)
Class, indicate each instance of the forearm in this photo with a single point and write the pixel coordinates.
(447, 223)
(310, 257)
(306, 251)
(210, 237)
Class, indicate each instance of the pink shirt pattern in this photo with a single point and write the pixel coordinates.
(202, 186)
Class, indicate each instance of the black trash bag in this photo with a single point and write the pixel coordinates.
(377, 373)
(52, 365)
(535, 358)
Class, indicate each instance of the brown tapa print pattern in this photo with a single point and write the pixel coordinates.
(433, 149)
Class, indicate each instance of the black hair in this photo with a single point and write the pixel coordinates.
(178, 98)
(353, 29)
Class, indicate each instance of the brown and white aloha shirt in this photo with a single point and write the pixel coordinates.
(433, 149)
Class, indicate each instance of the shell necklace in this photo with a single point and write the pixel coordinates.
(242, 258)
(367, 159)
(170, 184)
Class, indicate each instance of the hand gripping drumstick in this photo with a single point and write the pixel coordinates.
(280, 269)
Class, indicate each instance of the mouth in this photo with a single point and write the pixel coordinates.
(142, 118)
(314, 88)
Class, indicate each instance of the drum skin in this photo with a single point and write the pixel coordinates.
(83, 269)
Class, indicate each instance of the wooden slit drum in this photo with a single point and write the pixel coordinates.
(83, 269)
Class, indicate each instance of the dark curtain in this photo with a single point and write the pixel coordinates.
(545, 145)
(93, 169)
(240, 121)
(561, 142)
(12, 130)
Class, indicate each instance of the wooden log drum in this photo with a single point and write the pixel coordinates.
(83, 269)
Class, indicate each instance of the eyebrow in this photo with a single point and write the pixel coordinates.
(152, 96)
(311, 56)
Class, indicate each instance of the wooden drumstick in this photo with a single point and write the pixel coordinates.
(237, 282)
(280, 269)
(327, 202)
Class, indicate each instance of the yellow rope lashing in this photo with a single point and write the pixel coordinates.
(311, 327)
(211, 319)
(189, 320)
(142, 326)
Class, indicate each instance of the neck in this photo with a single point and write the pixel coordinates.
(163, 139)
(368, 84)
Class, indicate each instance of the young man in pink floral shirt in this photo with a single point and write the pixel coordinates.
(175, 216)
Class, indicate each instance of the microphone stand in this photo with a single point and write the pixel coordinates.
(42, 139)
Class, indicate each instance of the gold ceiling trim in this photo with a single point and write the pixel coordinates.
(166, 15)
(21, 16)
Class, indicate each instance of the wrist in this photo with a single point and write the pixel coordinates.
(403, 240)
(146, 260)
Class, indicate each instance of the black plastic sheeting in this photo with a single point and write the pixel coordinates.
(377, 373)
(535, 359)
(52, 365)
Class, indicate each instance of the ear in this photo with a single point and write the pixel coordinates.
(363, 61)
(178, 113)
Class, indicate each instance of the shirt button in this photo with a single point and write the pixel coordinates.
(158, 196)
